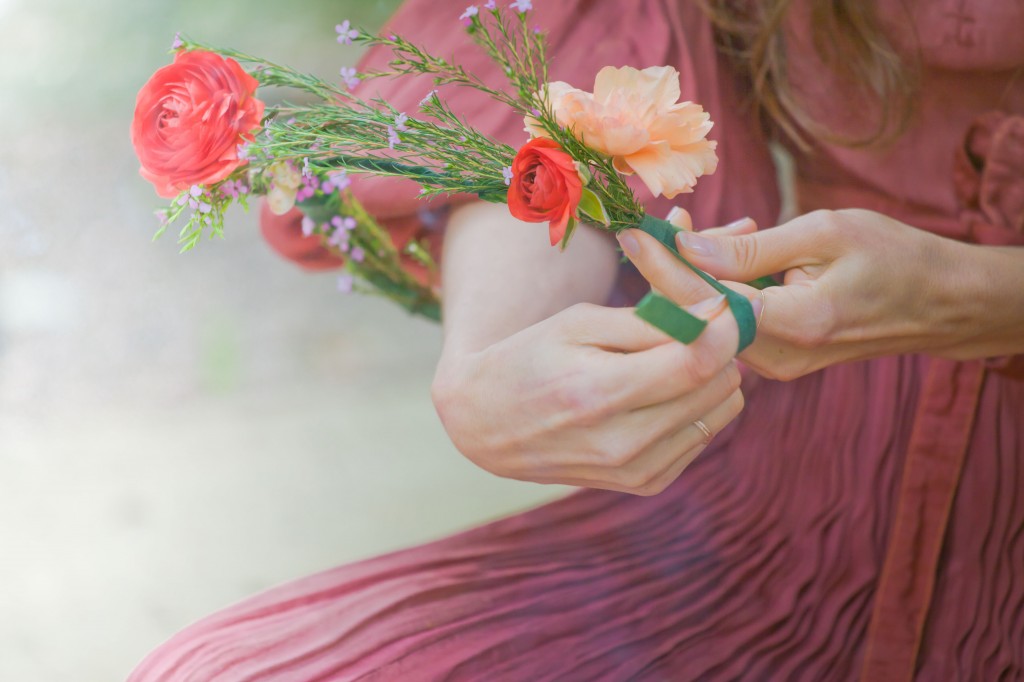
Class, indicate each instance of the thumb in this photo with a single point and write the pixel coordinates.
(746, 257)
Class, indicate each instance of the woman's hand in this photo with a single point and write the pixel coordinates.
(857, 285)
(592, 396)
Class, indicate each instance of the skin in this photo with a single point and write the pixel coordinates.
(539, 382)
(858, 285)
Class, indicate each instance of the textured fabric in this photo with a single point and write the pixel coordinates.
(865, 521)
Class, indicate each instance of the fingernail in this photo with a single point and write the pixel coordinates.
(693, 242)
(628, 243)
(707, 308)
(757, 305)
(674, 213)
(737, 223)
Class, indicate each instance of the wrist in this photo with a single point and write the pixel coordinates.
(978, 310)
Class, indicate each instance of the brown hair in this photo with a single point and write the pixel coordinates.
(847, 38)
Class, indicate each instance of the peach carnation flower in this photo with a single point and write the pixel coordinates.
(634, 116)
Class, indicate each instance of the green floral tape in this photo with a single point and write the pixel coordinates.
(673, 320)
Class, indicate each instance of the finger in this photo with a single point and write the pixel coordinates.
(617, 330)
(671, 370)
(681, 218)
(619, 439)
(716, 420)
(653, 470)
(662, 269)
(733, 229)
(640, 428)
(749, 256)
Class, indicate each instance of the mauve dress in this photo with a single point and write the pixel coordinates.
(863, 522)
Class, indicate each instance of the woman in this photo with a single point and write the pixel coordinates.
(863, 520)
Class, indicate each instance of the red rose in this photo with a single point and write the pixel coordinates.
(190, 118)
(545, 186)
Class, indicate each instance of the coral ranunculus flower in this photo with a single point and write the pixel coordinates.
(545, 186)
(190, 118)
(634, 116)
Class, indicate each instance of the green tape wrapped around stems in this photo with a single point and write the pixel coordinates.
(673, 320)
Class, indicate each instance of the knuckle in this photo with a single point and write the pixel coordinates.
(786, 373)
(655, 486)
(790, 370)
(580, 315)
(733, 378)
(745, 251)
(817, 328)
(698, 363)
(582, 402)
(806, 337)
(617, 453)
(649, 490)
(634, 480)
(842, 227)
(735, 404)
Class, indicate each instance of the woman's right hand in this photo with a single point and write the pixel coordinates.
(592, 396)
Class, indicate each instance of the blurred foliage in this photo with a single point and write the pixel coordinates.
(93, 59)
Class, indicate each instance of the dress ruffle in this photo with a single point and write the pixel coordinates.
(989, 179)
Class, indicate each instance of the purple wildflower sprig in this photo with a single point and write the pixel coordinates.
(507, 38)
(271, 74)
(515, 47)
(412, 59)
(204, 208)
(454, 157)
(373, 265)
(346, 32)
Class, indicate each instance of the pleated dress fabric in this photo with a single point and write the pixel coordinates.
(862, 522)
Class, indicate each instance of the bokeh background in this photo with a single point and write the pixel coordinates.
(180, 431)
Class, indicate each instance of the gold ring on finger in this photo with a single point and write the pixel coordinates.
(705, 430)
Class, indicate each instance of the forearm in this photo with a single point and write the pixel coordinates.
(501, 275)
(988, 286)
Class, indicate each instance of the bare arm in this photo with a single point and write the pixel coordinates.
(989, 288)
(501, 275)
(539, 382)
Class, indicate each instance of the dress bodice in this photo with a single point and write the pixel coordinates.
(958, 170)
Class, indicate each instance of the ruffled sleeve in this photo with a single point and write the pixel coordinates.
(584, 36)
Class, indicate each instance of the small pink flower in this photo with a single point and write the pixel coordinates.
(634, 117)
(471, 11)
(339, 179)
(177, 43)
(522, 6)
(490, 4)
(346, 283)
(431, 96)
(346, 34)
(349, 77)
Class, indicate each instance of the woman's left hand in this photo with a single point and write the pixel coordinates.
(857, 285)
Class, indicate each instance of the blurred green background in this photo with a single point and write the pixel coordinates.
(177, 432)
